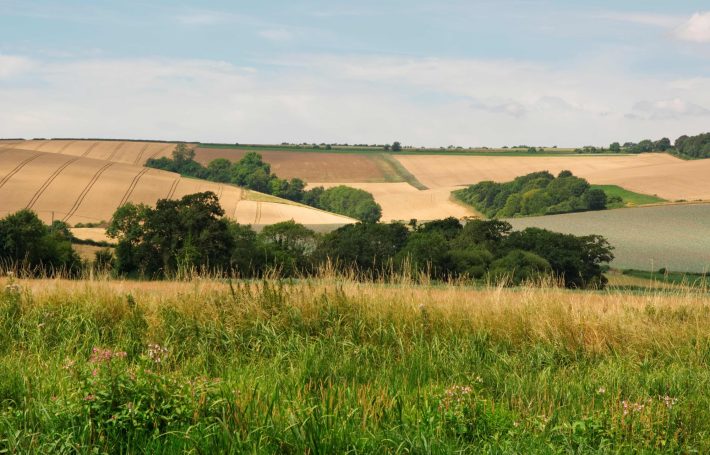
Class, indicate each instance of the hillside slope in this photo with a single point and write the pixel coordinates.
(76, 188)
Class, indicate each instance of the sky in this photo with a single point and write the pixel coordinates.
(422, 72)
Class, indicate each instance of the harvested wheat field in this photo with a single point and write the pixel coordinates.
(402, 202)
(79, 189)
(127, 152)
(314, 166)
(651, 173)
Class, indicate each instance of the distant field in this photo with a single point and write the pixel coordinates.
(311, 167)
(676, 237)
(79, 189)
(629, 198)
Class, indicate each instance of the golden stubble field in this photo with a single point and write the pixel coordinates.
(80, 189)
(386, 176)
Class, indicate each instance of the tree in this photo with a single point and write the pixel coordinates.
(386, 147)
(175, 236)
(366, 247)
(288, 246)
(519, 266)
(662, 145)
(615, 147)
(576, 260)
(26, 242)
(396, 146)
(595, 199)
(352, 202)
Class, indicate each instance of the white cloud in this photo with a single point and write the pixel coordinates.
(654, 20)
(667, 109)
(696, 29)
(12, 66)
(418, 101)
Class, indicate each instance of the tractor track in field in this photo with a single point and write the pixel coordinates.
(65, 146)
(86, 190)
(132, 186)
(173, 187)
(113, 153)
(17, 168)
(140, 155)
(49, 181)
(88, 150)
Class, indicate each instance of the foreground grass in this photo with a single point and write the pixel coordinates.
(628, 198)
(335, 367)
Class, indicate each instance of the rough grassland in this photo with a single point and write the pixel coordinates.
(333, 366)
(676, 237)
(629, 198)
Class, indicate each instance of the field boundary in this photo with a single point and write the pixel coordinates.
(403, 172)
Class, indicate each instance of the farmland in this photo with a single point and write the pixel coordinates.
(675, 237)
(335, 366)
(78, 187)
(431, 172)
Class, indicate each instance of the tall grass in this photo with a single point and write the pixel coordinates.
(331, 365)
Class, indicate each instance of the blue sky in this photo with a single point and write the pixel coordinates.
(467, 73)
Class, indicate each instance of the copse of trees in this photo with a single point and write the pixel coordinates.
(253, 173)
(191, 234)
(29, 245)
(538, 193)
(693, 146)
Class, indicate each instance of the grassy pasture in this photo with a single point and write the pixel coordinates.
(675, 237)
(629, 198)
(334, 366)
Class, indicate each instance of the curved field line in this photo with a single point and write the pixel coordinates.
(65, 146)
(140, 154)
(18, 167)
(110, 157)
(49, 181)
(220, 190)
(41, 145)
(91, 147)
(173, 187)
(85, 191)
(132, 186)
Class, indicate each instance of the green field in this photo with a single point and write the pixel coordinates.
(675, 237)
(697, 280)
(334, 366)
(628, 198)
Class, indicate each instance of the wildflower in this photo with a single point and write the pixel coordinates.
(68, 364)
(629, 407)
(99, 355)
(601, 391)
(669, 402)
(157, 353)
(89, 397)
(95, 372)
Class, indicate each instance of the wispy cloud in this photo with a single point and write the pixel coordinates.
(667, 109)
(473, 102)
(650, 19)
(695, 29)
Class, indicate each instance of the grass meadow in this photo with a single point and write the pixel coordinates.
(334, 366)
(629, 198)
